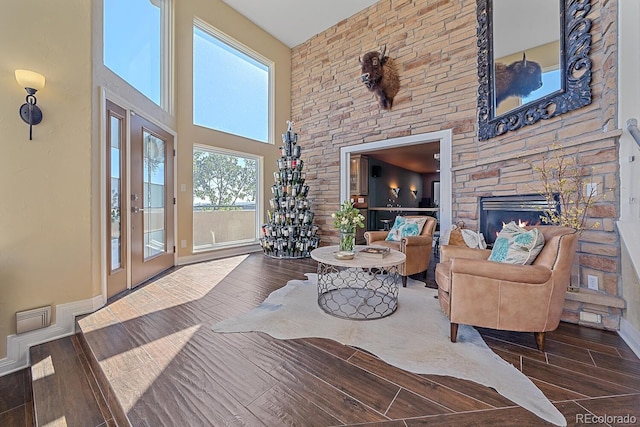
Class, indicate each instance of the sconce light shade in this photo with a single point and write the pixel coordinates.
(29, 79)
(29, 111)
(415, 193)
(395, 190)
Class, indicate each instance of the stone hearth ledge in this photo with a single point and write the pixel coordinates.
(609, 307)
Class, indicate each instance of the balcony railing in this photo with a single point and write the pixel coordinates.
(223, 225)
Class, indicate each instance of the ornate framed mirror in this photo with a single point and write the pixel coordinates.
(533, 62)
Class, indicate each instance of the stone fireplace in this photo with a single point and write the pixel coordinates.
(495, 211)
(589, 307)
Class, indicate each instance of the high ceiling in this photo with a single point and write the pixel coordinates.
(294, 21)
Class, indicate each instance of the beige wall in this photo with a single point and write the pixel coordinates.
(49, 187)
(434, 45)
(45, 184)
(220, 16)
(629, 224)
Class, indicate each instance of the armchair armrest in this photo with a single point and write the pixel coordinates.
(449, 251)
(525, 274)
(421, 240)
(375, 236)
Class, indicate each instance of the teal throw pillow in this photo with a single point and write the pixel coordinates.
(516, 245)
(404, 227)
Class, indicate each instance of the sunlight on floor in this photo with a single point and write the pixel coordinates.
(59, 422)
(156, 356)
(42, 369)
(215, 271)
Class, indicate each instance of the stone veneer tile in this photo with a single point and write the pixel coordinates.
(436, 54)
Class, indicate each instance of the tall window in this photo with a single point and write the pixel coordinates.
(225, 196)
(135, 44)
(231, 86)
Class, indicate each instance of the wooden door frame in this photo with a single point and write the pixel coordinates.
(102, 178)
(445, 137)
(120, 277)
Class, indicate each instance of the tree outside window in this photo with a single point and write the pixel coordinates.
(225, 188)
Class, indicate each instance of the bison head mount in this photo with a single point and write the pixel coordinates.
(380, 75)
(519, 78)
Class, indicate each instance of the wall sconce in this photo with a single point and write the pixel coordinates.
(29, 111)
(415, 193)
(395, 190)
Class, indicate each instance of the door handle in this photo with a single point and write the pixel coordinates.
(136, 209)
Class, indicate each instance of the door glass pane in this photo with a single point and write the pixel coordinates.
(116, 199)
(154, 196)
(225, 191)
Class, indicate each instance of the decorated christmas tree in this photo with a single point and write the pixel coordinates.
(289, 232)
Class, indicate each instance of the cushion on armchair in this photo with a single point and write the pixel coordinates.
(403, 227)
(516, 245)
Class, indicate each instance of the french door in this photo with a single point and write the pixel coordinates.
(140, 220)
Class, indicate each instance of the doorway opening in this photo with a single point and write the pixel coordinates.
(442, 138)
(138, 209)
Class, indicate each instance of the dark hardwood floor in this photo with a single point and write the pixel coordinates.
(16, 404)
(159, 364)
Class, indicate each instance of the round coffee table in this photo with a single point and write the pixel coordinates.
(362, 288)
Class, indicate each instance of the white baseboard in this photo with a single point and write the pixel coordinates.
(220, 253)
(18, 345)
(630, 335)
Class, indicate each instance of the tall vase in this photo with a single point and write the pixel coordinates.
(574, 280)
(347, 240)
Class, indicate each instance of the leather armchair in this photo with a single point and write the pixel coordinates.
(525, 298)
(416, 248)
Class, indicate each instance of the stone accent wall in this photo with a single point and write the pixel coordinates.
(434, 45)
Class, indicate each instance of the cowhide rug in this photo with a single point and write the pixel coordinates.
(414, 338)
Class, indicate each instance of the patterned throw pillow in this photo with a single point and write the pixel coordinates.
(516, 245)
(404, 227)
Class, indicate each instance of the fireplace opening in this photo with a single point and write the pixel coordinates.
(496, 211)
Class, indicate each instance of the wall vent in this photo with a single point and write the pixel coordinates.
(33, 319)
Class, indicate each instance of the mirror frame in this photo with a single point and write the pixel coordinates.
(575, 90)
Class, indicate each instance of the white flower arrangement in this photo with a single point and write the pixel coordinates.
(348, 217)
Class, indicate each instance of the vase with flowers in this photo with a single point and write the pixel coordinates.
(346, 220)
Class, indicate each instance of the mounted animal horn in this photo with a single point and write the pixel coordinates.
(380, 75)
(519, 78)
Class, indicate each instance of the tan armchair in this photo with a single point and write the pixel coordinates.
(525, 298)
(416, 248)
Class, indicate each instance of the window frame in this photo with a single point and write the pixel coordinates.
(258, 198)
(167, 53)
(240, 47)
